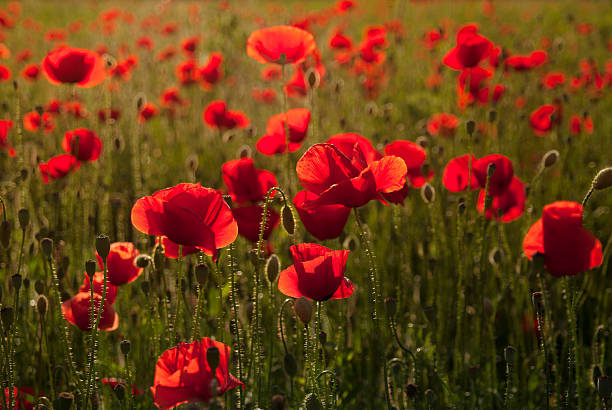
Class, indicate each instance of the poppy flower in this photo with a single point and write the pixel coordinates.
(321, 221)
(24, 398)
(211, 73)
(186, 72)
(5, 73)
(5, 127)
(349, 143)
(120, 263)
(327, 172)
(189, 45)
(526, 62)
(114, 114)
(171, 249)
(111, 290)
(54, 106)
(113, 382)
(148, 111)
(145, 42)
(249, 217)
(183, 375)
(553, 79)
(264, 95)
(340, 41)
(317, 273)
(541, 119)
(77, 311)
(217, 116)
(502, 176)
(244, 182)
(57, 167)
(171, 98)
(70, 65)
(32, 122)
(296, 86)
(76, 109)
(578, 124)
(507, 206)
(568, 247)
(83, 144)
(457, 174)
(443, 124)
(188, 214)
(30, 72)
(471, 49)
(275, 141)
(414, 157)
(280, 45)
(23, 55)
(271, 72)
(166, 53)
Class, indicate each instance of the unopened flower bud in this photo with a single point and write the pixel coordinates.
(63, 401)
(287, 219)
(24, 218)
(290, 365)
(603, 179)
(42, 304)
(201, 272)
(16, 282)
(90, 268)
(125, 346)
(422, 141)
(604, 386)
(391, 306)
(303, 309)
(496, 256)
(430, 396)
(213, 358)
(142, 260)
(272, 267)
(119, 391)
(550, 158)
(312, 402)
(278, 402)
(351, 243)
(428, 193)
(7, 315)
(470, 126)
(492, 115)
(411, 390)
(313, 77)
(103, 246)
(509, 353)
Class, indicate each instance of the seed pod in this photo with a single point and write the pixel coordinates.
(23, 215)
(201, 272)
(125, 346)
(212, 358)
(470, 126)
(272, 267)
(142, 261)
(313, 77)
(550, 158)
(422, 141)
(16, 282)
(303, 309)
(411, 390)
(103, 246)
(290, 365)
(496, 256)
(90, 268)
(41, 305)
(119, 391)
(312, 402)
(287, 219)
(39, 287)
(351, 243)
(8, 316)
(509, 353)
(603, 179)
(63, 401)
(428, 193)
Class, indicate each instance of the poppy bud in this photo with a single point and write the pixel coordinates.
(42, 304)
(272, 267)
(64, 401)
(287, 219)
(428, 193)
(201, 272)
(192, 163)
(158, 257)
(109, 61)
(90, 268)
(290, 365)
(430, 396)
(509, 353)
(351, 243)
(461, 208)
(595, 374)
(550, 158)
(245, 152)
(24, 218)
(16, 282)
(492, 115)
(603, 179)
(391, 306)
(142, 261)
(303, 309)
(322, 338)
(5, 233)
(604, 386)
(278, 402)
(119, 391)
(7, 315)
(470, 126)
(411, 390)
(313, 77)
(422, 141)
(15, 85)
(39, 287)
(212, 358)
(537, 300)
(339, 85)
(125, 346)
(39, 109)
(491, 169)
(103, 246)
(312, 402)
(496, 256)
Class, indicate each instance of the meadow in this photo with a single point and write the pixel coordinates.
(305, 204)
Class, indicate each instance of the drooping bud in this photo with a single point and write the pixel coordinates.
(290, 365)
(411, 390)
(213, 358)
(201, 272)
(125, 346)
(313, 77)
(428, 193)
(42, 304)
(550, 158)
(287, 219)
(430, 396)
(496, 256)
(119, 391)
(24, 218)
(303, 309)
(272, 267)
(422, 141)
(142, 260)
(103, 246)
(351, 243)
(603, 179)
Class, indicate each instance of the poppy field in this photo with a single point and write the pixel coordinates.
(310, 205)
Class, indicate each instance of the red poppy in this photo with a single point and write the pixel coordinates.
(526, 62)
(111, 290)
(567, 246)
(507, 206)
(340, 41)
(171, 249)
(183, 375)
(23, 55)
(264, 95)
(317, 273)
(280, 45)
(186, 72)
(112, 383)
(30, 72)
(145, 42)
(83, 144)
(84, 68)
(76, 109)
(211, 73)
(502, 176)
(542, 120)
(553, 79)
(296, 86)
(275, 140)
(54, 106)
(414, 157)
(171, 98)
(24, 398)
(114, 114)
(5, 127)
(57, 167)
(244, 182)
(189, 45)
(148, 111)
(188, 214)
(5, 73)
(271, 72)
(349, 143)
(120, 263)
(471, 49)
(443, 124)
(166, 53)
(327, 172)
(77, 311)
(321, 221)
(249, 217)
(578, 124)
(457, 174)
(217, 116)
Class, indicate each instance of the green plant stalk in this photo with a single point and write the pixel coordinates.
(544, 347)
(373, 269)
(236, 321)
(96, 334)
(176, 320)
(128, 379)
